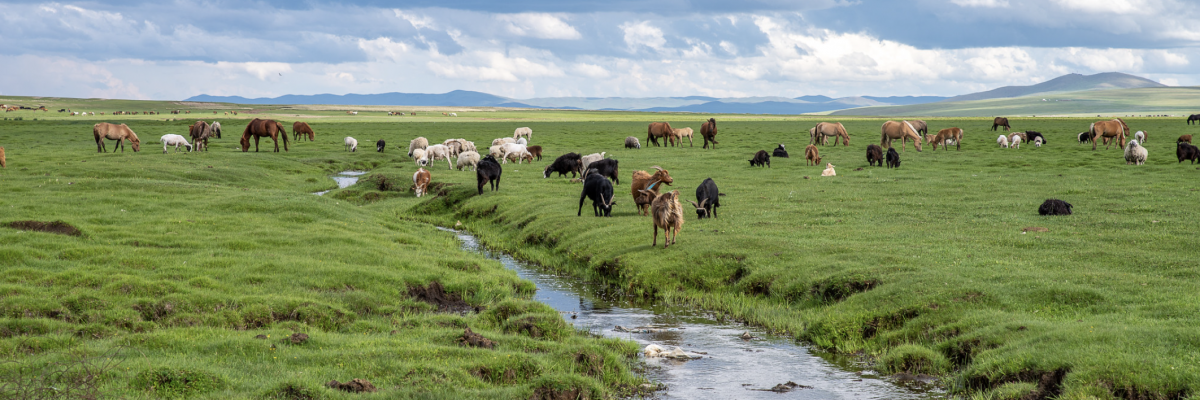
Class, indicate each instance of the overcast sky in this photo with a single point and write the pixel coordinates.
(547, 48)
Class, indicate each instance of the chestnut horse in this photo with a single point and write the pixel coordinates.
(902, 130)
(709, 131)
(301, 129)
(659, 130)
(120, 133)
(1000, 121)
(947, 134)
(264, 127)
(1115, 129)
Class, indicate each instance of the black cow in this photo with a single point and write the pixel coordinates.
(893, 158)
(761, 158)
(606, 168)
(566, 163)
(600, 190)
(488, 171)
(707, 199)
(780, 152)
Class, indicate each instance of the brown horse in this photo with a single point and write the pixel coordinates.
(823, 130)
(196, 130)
(120, 133)
(709, 131)
(3, 162)
(920, 126)
(677, 135)
(902, 130)
(301, 129)
(1115, 129)
(948, 134)
(264, 127)
(1000, 121)
(659, 130)
(202, 131)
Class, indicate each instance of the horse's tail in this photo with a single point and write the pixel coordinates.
(285, 135)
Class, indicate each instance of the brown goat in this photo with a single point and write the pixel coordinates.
(811, 154)
(667, 213)
(421, 181)
(1184, 138)
(536, 151)
(643, 181)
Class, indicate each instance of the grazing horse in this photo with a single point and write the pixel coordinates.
(819, 134)
(677, 135)
(708, 130)
(120, 133)
(301, 128)
(1000, 121)
(259, 128)
(201, 139)
(1193, 117)
(948, 134)
(920, 126)
(1115, 129)
(658, 130)
(903, 130)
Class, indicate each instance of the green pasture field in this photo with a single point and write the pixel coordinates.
(1179, 101)
(923, 269)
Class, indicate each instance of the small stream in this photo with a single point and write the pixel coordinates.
(728, 366)
(344, 179)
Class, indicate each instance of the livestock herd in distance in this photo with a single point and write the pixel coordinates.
(598, 173)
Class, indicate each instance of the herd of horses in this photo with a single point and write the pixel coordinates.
(200, 132)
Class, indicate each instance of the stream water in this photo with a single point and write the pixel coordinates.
(728, 366)
(344, 179)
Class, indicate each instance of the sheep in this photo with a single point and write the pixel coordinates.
(828, 170)
(606, 168)
(522, 141)
(1184, 138)
(518, 157)
(563, 164)
(1032, 136)
(761, 158)
(503, 140)
(1085, 137)
(1037, 142)
(875, 155)
(523, 131)
(600, 190)
(496, 151)
(351, 144)
(455, 146)
(1055, 207)
(780, 152)
(488, 170)
(379, 145)
(667, 214)
(643, 181)
(1140, 136)
(893, 158)
(439, 152)
(632, 143)
(420, 181)
(507, 150)
(811, 155)
(1016, 141)
(418, 156)
(709, 199)
(1002, 141)
(174, 140)
(590, 158)
(418, 143)
(467, 159)
(1135, 153)
(468, 145)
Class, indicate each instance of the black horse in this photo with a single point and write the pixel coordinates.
(1193, 117)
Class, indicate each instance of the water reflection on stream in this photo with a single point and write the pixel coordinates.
(344, 179)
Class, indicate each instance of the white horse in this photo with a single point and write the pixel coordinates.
(174, 140)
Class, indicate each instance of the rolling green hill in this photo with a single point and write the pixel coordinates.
(1140, 101)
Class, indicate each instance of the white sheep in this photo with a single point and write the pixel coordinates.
(1016, 141)
(1135, 153)
(828, 170)
(174, 140)
(418, 143)
(522, 141)
(513, 148)
(495, 151)
(1002, 141)
(519, 156)
(591, 158)
(468, 145)
(523, 131)
(439, 152)
(1140, 136)
(351, 144)
(468, 159)
(503, 140)
(1037, 141)
(419, 157)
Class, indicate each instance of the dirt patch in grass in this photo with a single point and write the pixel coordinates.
(297, 338)
(293, 391)
(546, 393)
(591, 364)
(353, 386)
(472, 339)
(59, 227)
(436, 295)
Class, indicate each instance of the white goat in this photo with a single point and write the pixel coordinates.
(1135, 153)
(1002, 141)
(351, 144)
(468, 159)
(174, 140)
(439, 152)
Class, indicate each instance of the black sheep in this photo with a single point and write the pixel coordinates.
(607, 168)
(875, 155)
(1185, 151)
(761, 158)
(709, 199)
(1055, 207)
(379, 145)
(488, 170)
(600, 190)
(1084, 137)
(566, 163)
(780, 152)
(893, 158)
(1032, 135)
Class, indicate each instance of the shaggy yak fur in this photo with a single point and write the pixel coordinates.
(761, 158)
(780, 152)
(893, 158)
(564, 164)
(1185, 151)
(1055, 207)
(488, 172)
(875, 155)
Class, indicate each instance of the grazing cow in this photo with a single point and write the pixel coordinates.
(566, 163)
(893, 158)
(903, 130)
(120, 133)
(607, 168)
(708, 198)
(780, 152)
(811, 155)
(488, 172)
(1193, 117)
(709, 131)
(632, 143)
(421, 181)
(301, 129)
(1185, 151)
(380, 145)
(761, 158)
(658, 130)
(875, 155)
(1000, 121)
(600, 190)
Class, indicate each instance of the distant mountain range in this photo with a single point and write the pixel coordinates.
(699, 104)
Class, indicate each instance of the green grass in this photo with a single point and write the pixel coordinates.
(1089, 103)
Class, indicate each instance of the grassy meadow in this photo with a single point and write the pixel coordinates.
(1180, 101)
(924, 269)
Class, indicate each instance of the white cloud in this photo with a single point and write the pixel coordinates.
(729, 47)
(417, 21)
(1107, 6)
(383, 49)
(1169, 81)
(981, 3)
(590, 70)
(260, 70)
(642, 34)
(1103, 59)
(538, 25)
